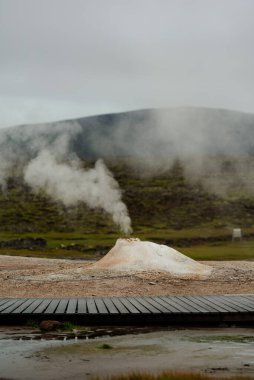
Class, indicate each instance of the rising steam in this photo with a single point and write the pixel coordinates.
(70, 184)
(44, 154)
(50, 155)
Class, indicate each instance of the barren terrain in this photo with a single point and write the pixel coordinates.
(33, 277)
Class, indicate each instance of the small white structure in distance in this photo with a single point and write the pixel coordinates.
(237, 234)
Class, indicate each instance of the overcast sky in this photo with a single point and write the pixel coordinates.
(69, 58)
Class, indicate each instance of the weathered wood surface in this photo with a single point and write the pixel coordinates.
(133, 310)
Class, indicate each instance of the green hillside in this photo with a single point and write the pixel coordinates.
(166, 208)
(186, 175)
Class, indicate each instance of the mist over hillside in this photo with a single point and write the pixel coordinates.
(172, 132)
(168, 132)
(149, 140)
(105, 161)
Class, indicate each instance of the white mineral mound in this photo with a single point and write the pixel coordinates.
(136, 255)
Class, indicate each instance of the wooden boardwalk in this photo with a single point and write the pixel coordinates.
(164, 310)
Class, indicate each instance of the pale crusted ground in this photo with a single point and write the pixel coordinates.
(31, 277)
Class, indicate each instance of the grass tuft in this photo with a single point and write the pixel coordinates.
(105, 346)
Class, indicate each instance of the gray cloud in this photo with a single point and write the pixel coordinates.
(62, 58)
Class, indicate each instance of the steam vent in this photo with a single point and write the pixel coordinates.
(136, 255)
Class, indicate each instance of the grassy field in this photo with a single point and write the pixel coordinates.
(93, 246)
(230, 251)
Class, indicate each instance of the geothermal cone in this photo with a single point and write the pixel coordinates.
(135, 255)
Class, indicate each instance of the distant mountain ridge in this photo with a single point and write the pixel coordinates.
(176, 131)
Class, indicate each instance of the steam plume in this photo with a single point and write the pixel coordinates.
(201, 139)
(70, 184)
(44, 154)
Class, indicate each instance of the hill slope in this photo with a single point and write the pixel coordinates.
(166, 200)
(159, 132)
(177, 168)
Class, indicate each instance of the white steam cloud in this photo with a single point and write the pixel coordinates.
(203, 140)
(43, 154)
(70, 184)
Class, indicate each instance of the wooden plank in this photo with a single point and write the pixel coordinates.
(132, 309)
(139, 306)
(245, 301)
(120, 307)
(159, 304)
(82, 309)
(52, 306)
(248, 300)
(110, 306)
(24, 306)
(91, 306)
(7, 304)
(72, 306)
(101, 306)
(36, 302)
(249, 296)
(42, 307)
(235, 303)
(174, 305)
(217, 302)
(224, 308)
(4, 300)
(229, 303)
(246, 296)
(207, 306)
(238, 303)
(149, 305)
(62, 306)
(195, 304)
(185, 305)
(212, 305)
(170, 308)
(13, 306)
